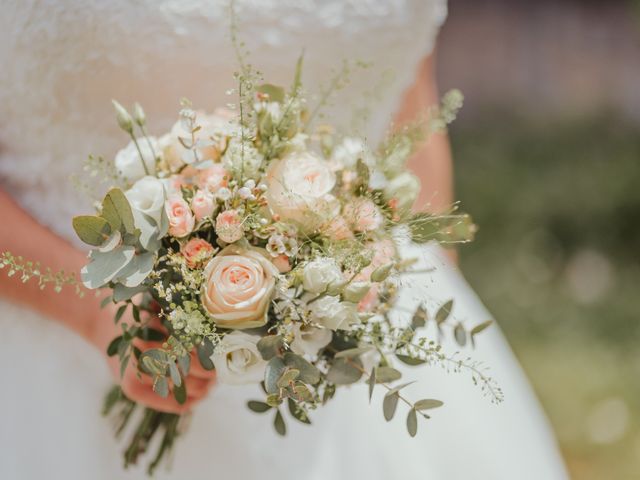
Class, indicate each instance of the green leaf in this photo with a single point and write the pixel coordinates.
(175, 374)
(344, 372)
(297, 413)
(204, 351)
(278, 423)
(180, 393)
(372, 383)
(302, 392)
(120, 312)
(419, 318)
(117, 211)
(106, 301)
(353, 352)
(287, 377)
(114, 395)
(161, 386)
(387, 374)
(272, 373)
(151, 335)
(408, 360)
(104, 267)
(412, 423)
(136, 313)
(122, 293)
(443, 312)
(270, 346)
(308, 372)
(274, 400)
(184, 364)
(297, 78)
(389, 405)
(91, 230)
(460, 335)
(400, 387)
(124, 362)
(258, 407)
(112, 349)
(479, 328)
(427, 404)
(154, 362)
(276, 94)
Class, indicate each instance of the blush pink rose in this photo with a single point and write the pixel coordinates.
(202, 204)
(181, 220)
(364, 215)
(196, 251)
(229, 226)
(213, 178)
(239, 284)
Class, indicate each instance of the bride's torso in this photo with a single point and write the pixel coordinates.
(64, 61)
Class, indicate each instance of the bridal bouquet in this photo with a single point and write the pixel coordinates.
(263, 248)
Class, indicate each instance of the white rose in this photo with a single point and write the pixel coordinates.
(299, 190)
(147, 196)
(319, 274)
(129, 164)
(330, 312)
(237, 359)
(405, 188)
(308, 340)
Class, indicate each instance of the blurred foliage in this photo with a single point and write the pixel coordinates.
(557, 260)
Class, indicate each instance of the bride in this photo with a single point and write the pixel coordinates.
(62, 63)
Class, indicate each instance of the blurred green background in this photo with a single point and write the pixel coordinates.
(548, 163)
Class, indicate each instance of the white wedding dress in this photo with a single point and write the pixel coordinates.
(62, 62)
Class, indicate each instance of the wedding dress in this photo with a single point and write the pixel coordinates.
(62, 62)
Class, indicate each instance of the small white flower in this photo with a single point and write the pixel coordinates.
(308, 340)
(237, 359)
(319, 274)
(128, 161)
(244, 193)
(349, 151)
(224, 194)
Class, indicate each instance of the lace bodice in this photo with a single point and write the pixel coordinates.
(63, 61)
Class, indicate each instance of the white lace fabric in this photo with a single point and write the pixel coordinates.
(64, 61)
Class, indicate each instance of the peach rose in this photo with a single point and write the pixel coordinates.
(196, 251)
(181, 220)
(282, 263)
(229, 226)
(213, 178)
(364, 215)
(238, 287)
(202, 204)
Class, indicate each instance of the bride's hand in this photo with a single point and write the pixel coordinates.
(137, 386)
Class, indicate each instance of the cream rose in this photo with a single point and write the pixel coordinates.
(331, 313)
(319, 274)
(181, 220)
(237, 359)
(299, 189)
(147, 197)
(128, 161)
(308, 340)
(238, 287)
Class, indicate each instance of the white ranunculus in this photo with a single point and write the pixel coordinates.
(331, 313)
(147, 196)
(319, 274)
(308, 340)
(405, 188)
(299, 190)
(237, 359)
(128, 161)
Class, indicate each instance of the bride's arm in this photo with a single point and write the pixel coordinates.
(432, 162)
(22, 235)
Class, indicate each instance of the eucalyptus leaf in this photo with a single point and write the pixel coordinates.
(106, 301)
(258, 407)
(344, 371)
(270, 346)
(112, 349)
(122, 293)
(120, 312)
(287, 377)
(112, 242)
(184, 364)
(412, 423)
(204, 351)
(389, 405)
(387, 374)
(117, 211)
(480, 327)
(161, 386)
(278, 423)
(460, 335)
(372, 383)
(419, 318)
(409, 360)
(302, 392)
(180, 393)
(175, 374)
(308, 372)
(103, 267)
(297, 413)
(272, 373)
(353, 352)
(91, 230)
(149, 334)
(137, 270)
